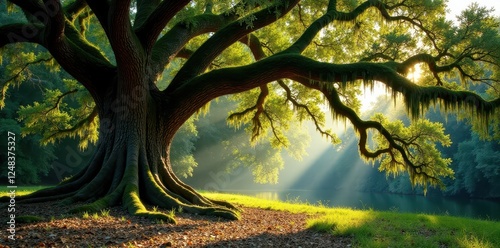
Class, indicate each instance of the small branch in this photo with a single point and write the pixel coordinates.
(306, 108)
(59, 99)
(271, 121)
(24, 67)
(259, 107)
(80, 124)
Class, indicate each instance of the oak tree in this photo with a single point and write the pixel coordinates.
(142, 68)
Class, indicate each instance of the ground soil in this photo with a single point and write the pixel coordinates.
(257, 228)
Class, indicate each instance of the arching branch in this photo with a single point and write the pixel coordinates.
(416, 98)
(397, 146)
(143, 10)
(222, 39)
(66, 46)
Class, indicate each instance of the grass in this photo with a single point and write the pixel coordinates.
(21, 190)
(369, 228)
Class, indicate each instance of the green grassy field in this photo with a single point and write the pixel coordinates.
(369, 228)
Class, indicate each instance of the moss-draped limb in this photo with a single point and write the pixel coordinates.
(419, 173)
(238, 79)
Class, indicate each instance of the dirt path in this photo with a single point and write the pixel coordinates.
(257, 228)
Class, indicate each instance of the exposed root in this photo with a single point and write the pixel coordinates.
(158, 196)
(135, 206)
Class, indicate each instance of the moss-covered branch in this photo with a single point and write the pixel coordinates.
(5, 84)
(174, 40)
(417, 98)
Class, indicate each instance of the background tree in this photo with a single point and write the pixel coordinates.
(286, 60)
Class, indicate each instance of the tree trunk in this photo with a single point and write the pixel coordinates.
(131, 165)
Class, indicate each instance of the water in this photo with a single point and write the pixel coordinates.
(472, 208)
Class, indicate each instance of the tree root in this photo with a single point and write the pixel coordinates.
(124, 177)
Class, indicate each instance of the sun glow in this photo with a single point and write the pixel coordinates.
(369, 96)
(415, 73)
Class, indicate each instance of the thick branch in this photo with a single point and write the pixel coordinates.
(173, 42)
(228, 35)
(128, 51)
(81, 60)
(144, 8)
(149, 31)
(55, 27)
(101, 11)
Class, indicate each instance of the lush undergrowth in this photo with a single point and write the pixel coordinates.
(369, 228)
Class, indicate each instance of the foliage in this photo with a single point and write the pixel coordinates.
(420, 138)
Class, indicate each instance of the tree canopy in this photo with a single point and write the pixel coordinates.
(140, 69)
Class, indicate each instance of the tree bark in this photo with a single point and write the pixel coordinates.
(131, 165)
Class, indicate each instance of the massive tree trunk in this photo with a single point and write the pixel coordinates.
(131, 165)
